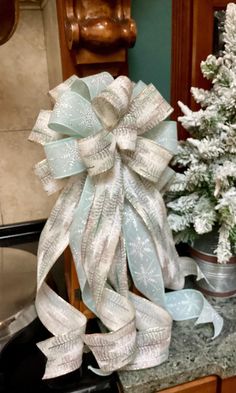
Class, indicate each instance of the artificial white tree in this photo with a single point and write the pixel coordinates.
(203, 196)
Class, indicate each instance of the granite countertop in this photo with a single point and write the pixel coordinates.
(193, 354)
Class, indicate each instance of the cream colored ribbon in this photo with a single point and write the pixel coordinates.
(113, 129)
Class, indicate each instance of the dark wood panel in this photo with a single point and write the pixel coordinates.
(9, 15)
(202, 39)
(68, 65)
(203, 21)
(192, 42)
(181, 56)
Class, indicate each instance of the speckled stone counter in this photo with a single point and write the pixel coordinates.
(192, 354)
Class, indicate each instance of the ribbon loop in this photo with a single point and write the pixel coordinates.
(91, 86)
(113, 351)
(111, 105)
(64, 158)
(73, 115)
(146, 110)
(149, 159)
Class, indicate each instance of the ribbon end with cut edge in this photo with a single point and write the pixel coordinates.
(188, 304)
(190, 267)
(209, 315)
(57, 91)
(49, 183)
(41, 133)
(201, 276)
(164, 105)
(99, 372)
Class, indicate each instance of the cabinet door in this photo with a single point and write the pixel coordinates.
(203, 385)
(228, 385)
(192, 42)
(203, 36)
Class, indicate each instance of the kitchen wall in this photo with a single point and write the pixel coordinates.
(150, 59)
(24, 84)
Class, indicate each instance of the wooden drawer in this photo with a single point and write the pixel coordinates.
(203, 385)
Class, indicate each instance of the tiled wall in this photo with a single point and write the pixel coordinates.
(23, 92)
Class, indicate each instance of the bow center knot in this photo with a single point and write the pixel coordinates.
(113, 102)
(112, 109)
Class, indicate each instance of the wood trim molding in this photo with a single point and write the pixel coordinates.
(97, 34)
(203, 15)
(202, 12)
(182, 15)
(98, 25)
(67, 62)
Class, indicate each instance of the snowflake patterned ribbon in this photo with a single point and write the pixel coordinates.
(105, 149)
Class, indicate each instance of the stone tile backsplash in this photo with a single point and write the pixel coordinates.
(21, 193)
(23, 92)
(23, 72)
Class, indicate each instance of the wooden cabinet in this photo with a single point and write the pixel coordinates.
(227, 385)
(203, 385)
(192, 42)
(211, 384)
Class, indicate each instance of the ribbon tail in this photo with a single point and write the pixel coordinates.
(102, 231)
(174, 268)
(208, 314)
(96, 244)
(154, 325)
(59, 317)
(152, 320)
(64, 351)
(144, 264)
(149, 205)
(55, 235)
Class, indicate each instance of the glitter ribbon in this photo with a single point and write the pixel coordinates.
(108, 148)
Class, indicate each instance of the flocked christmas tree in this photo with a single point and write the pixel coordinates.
(204, 195)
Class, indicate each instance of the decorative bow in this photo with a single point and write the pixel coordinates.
(112, 168)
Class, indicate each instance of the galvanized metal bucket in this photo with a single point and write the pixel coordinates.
(220, 278)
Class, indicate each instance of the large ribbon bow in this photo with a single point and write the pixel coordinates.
(112, 169)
